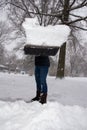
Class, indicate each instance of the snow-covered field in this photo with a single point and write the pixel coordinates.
(66, 108)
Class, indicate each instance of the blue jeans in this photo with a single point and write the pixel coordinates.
(40, 77)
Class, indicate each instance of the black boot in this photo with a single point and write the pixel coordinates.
(37, 98)
(43, 98)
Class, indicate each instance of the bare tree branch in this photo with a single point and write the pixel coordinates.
(84, 3)
(25, 7)
(84, 29)
(77, 16)
(61, 2)
(72, 3)
(17, 6)
(36, 9)
(2, 3)
(77, 20)
(54, 15)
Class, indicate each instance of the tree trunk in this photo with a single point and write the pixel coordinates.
(61, 62)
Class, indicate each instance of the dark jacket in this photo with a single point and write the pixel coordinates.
(42, 61)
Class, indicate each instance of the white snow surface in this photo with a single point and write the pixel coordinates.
(66, 108)
(45, 36)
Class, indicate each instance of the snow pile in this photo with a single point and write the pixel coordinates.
(45, 36)
(34, 116)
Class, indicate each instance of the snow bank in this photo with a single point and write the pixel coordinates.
(34, 116)
(45, 36)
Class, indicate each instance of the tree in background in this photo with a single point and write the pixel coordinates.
(1, 54)
(4, 32)
(68, 7)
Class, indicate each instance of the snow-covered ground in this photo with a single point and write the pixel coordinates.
(66, 108)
